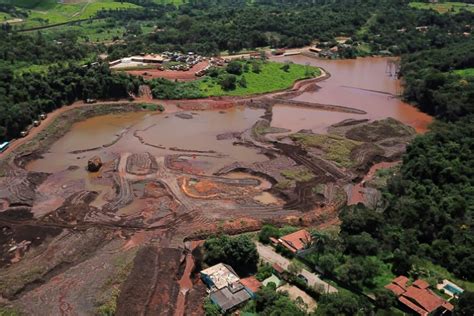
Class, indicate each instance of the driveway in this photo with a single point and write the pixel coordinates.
(269, 255)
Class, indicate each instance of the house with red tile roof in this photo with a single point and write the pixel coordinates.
(251, 284)
(297, 241)
(418, 297)
(278, 269)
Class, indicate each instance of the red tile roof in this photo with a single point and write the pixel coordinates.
(278, 268)
(396, 289)
(296, 241)
(448, 306)
(421, 284)
(417, 297)
(251, 283)
(274, 240)
(401, 281)
(412, 306)
(424, 298)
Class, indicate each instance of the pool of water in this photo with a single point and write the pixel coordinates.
(453, 289)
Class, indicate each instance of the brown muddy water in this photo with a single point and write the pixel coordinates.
(362, 83)
(158, 134)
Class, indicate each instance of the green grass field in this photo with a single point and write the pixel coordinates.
(271, 78)
(468, 72)
(445, 7)
(51, 12)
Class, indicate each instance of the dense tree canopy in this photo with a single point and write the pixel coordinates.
(238, 252)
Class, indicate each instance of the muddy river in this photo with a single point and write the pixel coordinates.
(364, 83)
(360, 83)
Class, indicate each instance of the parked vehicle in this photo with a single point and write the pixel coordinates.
(43, 116)
(36, 123)
(4, 146)
(90, 101)
(303, 278)
(24, 133)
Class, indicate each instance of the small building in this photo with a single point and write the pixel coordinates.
(297, 241)
(315, 49)
(418, 298)
(277, 269)
(219, 276)
(226, 289)
(149, 59)
(252, 285)
(230, 297)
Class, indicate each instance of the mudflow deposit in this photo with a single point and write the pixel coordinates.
(105, 204)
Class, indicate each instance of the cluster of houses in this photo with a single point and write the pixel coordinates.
(226, 289)
(229, 292)
(183, 61)
(188, 60)
(419, 299)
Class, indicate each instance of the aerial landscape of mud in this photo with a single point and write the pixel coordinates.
(74, 240)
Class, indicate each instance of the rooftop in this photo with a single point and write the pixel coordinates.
(272, 279)
(278, 268)
(424, 298)
(227, 299)
(297, 240)
(251, 283)
(221, 275)
(401, 281)
(421, 284)
(418, 297)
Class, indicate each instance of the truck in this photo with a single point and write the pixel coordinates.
(90, 101)
(4, 146)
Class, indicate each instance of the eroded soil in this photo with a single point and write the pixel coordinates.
(76, 243)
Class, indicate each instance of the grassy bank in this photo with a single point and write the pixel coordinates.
(270, 78)
(468, 72)
(254, 77)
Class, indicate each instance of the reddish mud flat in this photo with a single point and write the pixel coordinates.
(357, 194)
(181, 175)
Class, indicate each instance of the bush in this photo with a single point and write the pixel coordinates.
(234, 68)
(210, 309)
(264, 271)
(267, 232)
(228, 82)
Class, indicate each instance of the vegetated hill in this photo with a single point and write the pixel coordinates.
(51, 11)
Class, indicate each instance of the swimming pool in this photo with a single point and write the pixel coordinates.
(453, 289)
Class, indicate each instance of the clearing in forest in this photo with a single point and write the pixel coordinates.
(52, 11)
(445, 7)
